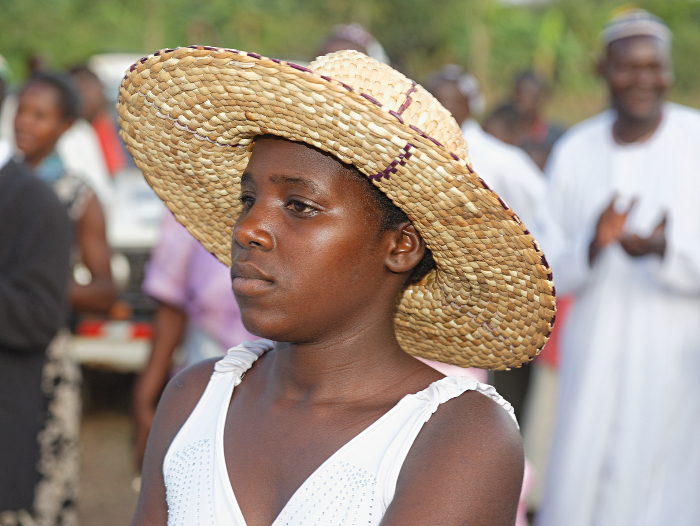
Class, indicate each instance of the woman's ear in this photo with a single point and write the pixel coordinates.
(406, 250)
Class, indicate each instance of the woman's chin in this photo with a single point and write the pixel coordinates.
(265, 327)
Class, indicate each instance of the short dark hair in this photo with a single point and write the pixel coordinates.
(68, 98)
(507, 113)
(391, 218)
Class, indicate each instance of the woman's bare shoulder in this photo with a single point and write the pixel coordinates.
(179, 399)
(465, 467)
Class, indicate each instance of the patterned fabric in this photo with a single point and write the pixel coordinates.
(59, 441)
(56, 494)
(71, 190)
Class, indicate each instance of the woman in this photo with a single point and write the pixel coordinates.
(267, 163)
(47, 107)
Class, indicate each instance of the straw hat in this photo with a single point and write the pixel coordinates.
(189, 117)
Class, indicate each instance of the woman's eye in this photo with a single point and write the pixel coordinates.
(248, 201)
(299, 207)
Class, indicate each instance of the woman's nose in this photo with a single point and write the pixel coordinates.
(252, 230)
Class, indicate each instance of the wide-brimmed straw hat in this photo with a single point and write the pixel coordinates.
(190, 115)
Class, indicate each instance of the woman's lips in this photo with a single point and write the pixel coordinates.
(251, 286)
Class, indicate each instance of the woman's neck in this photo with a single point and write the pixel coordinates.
(346, 367)
(34, 159)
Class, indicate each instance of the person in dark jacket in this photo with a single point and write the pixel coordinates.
(35, 241)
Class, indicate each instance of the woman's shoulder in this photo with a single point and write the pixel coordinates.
(469, 410)
(467, 461)
(184, 390)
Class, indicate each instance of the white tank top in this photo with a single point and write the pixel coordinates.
(354, 486)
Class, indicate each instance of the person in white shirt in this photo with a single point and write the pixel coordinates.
(624, 192)
(508, 170)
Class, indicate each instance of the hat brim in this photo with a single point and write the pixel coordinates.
(190, 115)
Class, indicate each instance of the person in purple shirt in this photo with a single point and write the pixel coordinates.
(197, 311)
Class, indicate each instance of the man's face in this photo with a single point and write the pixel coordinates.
(528, 96)
(638, 73)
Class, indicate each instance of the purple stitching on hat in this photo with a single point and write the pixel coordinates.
(526, 231)
(554, 291)
(417, 130)
(211, 48)
(300, 68)
(391, 169)
(349, 88)
(170, 50)
(434, 140)
(454, 156)
(544, 261)
(483, 183)
(193, 47)
(408, 100)
(371, 99)
(326, 78)
(392, 112)
(276, 60)
(254, 55)
(503, 204)
(133, 67)
(144, 59)
(156, 54)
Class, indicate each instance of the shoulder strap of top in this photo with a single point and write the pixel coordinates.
(240, 358)
(452, 386)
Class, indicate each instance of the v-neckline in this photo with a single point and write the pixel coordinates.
(223, 470)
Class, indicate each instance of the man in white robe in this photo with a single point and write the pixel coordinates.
(625, 192)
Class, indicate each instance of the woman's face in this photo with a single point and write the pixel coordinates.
(39, 122)
(308, 254)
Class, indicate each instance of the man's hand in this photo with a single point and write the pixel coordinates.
(610, 229)
(637, 246)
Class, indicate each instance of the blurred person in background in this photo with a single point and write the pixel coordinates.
(35, 242)
(508, 170)
(197, 311)
(353, 36)
(534, 132)
(503, 123)
(624, 191)
(79, 147)
(95, 110)
(47, 106)
(510, 173)
(505, 168)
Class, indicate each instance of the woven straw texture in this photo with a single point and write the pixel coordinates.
(190, 115)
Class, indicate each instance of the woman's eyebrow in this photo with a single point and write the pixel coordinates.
(296, 181)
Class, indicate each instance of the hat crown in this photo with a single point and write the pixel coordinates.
(396, 93)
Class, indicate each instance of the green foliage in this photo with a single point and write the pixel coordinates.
(495, 40)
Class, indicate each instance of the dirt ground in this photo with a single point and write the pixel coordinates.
(107, 495)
